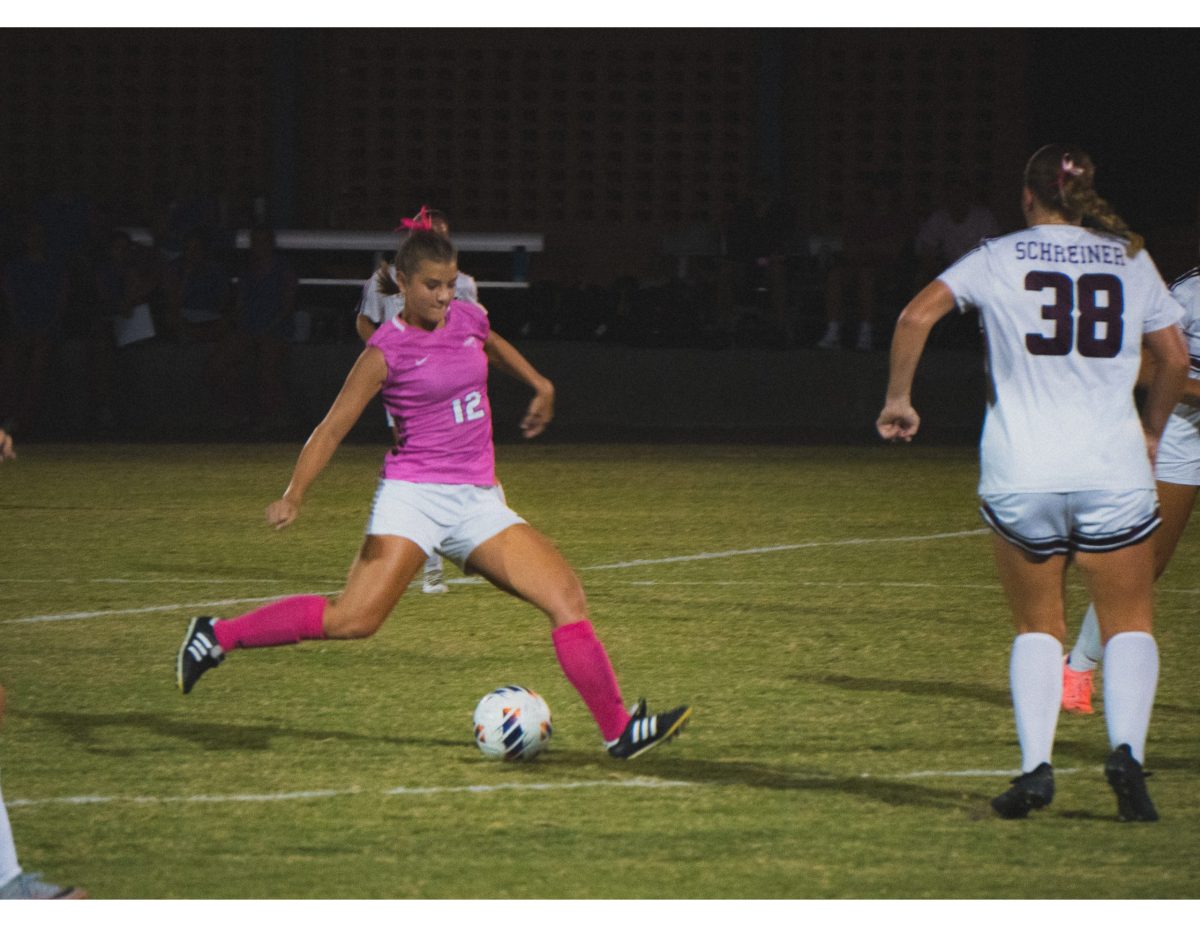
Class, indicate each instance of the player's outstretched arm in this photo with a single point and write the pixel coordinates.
(507, 359)
(362, 383)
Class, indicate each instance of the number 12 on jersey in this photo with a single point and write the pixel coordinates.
(1069, 294)
(467, 409)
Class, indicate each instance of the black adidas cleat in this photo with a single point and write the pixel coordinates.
(198, 653)
(1030, 791)
(1128, 781)
(646, 731)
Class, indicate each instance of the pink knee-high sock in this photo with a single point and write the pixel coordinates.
(287, 621)
(585, 664)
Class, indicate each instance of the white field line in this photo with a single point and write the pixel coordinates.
(411, 790)
(627, 564)
(776, 548)
(808, 582)
(635, 783)
(173, 580)
(107, 613)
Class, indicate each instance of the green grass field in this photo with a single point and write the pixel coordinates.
(832, 614)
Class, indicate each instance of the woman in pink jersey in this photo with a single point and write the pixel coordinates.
(437, 491)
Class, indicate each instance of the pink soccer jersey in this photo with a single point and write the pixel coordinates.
(436, 390)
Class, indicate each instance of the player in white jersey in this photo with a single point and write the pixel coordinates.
(1065, 463)
(375, 308)
(1177, 479)
(15, 884)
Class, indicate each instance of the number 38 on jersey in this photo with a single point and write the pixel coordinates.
(1095, 331)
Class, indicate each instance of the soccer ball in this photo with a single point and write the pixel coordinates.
(512, 723)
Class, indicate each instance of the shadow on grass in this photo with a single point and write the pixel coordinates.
(989, 695)
(85, 730)
(954, 797)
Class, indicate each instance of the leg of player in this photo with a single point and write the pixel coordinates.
(1176, 502)
(433, 579)
(1080, 665)
(1121, 586)
(16, 885)
(384, 567)
(526, 564)
(1034, 589)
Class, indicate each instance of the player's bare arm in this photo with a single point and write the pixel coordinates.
(899, 420)
(507, 359)
(362, 383)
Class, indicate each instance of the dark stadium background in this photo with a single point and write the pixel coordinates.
(625, 148)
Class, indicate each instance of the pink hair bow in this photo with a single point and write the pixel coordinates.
(422, 220)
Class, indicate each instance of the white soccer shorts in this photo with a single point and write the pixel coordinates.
(1095, 521)
(448, 519)
(1179, 453)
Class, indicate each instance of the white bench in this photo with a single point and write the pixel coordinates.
(383, 244)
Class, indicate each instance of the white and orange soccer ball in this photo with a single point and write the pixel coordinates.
(512, 723)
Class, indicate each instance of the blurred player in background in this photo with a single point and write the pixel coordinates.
(1065, 463)
(438, 491)
(1177, 478)
(375, 308)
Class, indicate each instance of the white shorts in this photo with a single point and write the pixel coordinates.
(1049, 523)
(451, 520)
(1179, 453)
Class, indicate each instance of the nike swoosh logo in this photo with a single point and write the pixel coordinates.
(421, 361)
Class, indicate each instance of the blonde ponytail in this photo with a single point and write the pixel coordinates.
(1097, 209)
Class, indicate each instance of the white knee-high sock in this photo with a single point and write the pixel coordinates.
(1130, 681)
(1088, 649)
(9, 869)
(1035, 674)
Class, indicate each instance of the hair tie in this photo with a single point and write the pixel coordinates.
(1067, 168)
(422, 220)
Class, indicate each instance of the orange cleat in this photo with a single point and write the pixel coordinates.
(1077, 690)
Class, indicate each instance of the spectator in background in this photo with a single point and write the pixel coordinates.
(198, 291)
(957, 226)
(757, 240)
(35, 297)
(198, 298)
(127, 276)
(188, 207)
(266, 303)
(874, 238)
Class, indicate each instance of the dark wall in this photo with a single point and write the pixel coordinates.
(605, 392)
